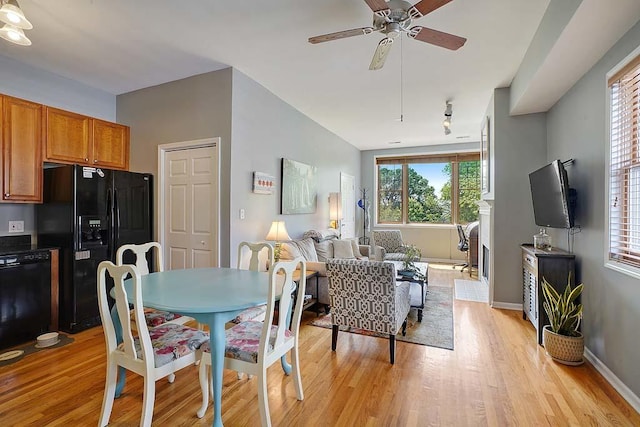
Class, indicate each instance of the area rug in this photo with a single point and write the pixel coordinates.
(435, 330)
(471, 290)
(31, 348)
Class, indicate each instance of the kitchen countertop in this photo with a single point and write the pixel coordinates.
(10, 245)
(11, 250)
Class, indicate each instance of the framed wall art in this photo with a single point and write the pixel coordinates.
(298, 188)
(263, 183)
(485, 157)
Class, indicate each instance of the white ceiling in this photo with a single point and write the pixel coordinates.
(123, 45)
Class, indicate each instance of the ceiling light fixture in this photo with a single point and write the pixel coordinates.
(15, 23)
(448, 112)
(11, 14)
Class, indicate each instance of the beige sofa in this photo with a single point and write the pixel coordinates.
(316, 247)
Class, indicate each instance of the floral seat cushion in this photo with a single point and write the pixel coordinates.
(171, 341)
(256, 313)
(243, 341)
(157, 317)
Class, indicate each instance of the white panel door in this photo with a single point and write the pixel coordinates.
(191, 211)
(347, 190)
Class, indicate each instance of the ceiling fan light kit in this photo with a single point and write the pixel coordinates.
(392, 18)
(15, 23)
(448, 112)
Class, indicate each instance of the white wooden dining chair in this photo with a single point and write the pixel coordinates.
(153, 353)
(255, 264)
(253, 346)
(153, 317)
(258, 312)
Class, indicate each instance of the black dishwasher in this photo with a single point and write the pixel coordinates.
(25, 296)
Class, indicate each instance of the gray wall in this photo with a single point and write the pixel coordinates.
(194, 108)
(518, 144)
(33, 84)
(577, 128)
(256, 129)
(266, 129)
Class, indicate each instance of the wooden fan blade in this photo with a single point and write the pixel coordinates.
(423, 7)
(341, 35)
(379, 7)
(380, 55)
(438, 38)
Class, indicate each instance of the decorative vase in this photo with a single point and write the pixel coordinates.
(563, 348)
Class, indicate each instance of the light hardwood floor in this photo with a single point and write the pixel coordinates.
(496, 376)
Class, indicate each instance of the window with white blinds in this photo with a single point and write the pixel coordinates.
(624, 166)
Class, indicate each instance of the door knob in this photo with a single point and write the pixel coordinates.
(202, 242)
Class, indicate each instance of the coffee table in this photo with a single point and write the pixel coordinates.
(417, 287)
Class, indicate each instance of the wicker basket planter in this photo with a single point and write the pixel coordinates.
(562, 348)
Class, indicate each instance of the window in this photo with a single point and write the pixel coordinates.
(624, 166)
(441, 189)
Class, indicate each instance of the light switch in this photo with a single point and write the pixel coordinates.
(16, 226)
(241, 213)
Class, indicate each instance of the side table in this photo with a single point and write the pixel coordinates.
(310, 274)
(417, 291)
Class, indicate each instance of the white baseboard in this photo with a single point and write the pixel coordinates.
(612, 379)
(506, 305)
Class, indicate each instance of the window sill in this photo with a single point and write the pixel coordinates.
(623, 268)
(409, 226)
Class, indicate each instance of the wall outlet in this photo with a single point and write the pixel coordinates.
(16, 226)
(241, 213)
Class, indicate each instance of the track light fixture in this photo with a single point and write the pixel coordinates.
(448, 112)
(15, 23)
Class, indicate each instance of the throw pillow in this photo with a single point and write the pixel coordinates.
(342, 249)
(289, 250)
(307, 249)
(356, 247)
(324, 250)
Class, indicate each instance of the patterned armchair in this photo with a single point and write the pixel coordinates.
(365, 295)
(391, 242)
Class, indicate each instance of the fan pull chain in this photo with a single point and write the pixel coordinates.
(401, 82)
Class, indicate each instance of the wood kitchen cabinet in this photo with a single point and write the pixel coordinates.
(21, 150)
(74, 138)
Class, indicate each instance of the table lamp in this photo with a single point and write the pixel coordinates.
(277, 233)
(335, 210)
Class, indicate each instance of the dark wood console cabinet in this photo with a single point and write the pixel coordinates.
(554, 265)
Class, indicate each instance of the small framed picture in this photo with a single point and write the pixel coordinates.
(263, 183)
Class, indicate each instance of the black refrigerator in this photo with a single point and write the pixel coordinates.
(88, 213)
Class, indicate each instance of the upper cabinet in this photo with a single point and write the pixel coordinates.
(74, 138)
(20, 150)
(110, 145)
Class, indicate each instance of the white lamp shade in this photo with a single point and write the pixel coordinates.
(11, 14)
(278, 232)
(14, 35)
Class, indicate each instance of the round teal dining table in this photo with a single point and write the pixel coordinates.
(212, 296)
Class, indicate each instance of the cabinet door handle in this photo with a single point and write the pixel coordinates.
(95, 161)
(86, 159)
(7, 195)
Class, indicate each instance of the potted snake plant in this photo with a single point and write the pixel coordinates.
(562, 339)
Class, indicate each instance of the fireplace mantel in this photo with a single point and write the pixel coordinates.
(484, 242)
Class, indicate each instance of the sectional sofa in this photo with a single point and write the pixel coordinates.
(316, 247)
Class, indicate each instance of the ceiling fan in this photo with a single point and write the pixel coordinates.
(392, 18)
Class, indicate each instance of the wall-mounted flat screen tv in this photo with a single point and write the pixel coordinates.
(552, 198)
